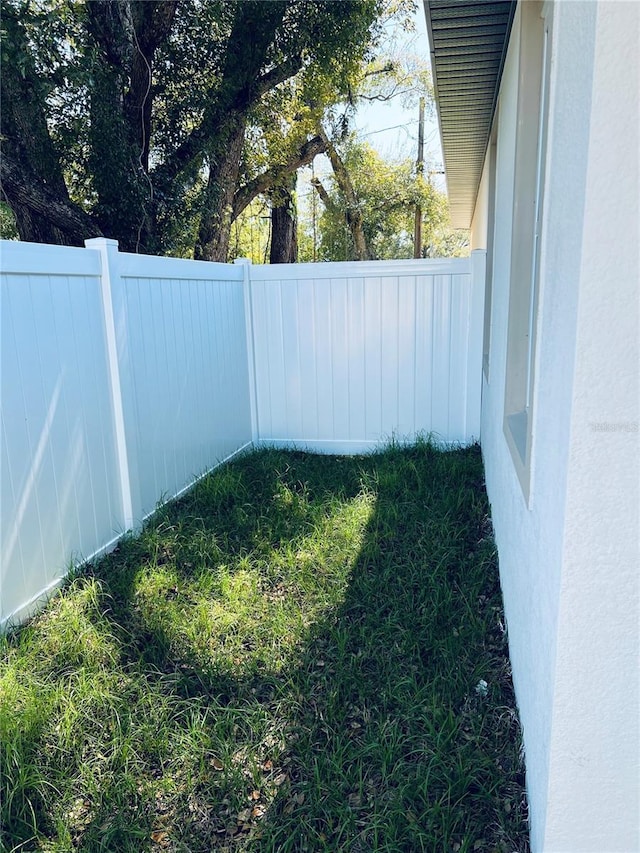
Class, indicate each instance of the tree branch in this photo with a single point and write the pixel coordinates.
(269, 178)
(388, 97)
(352, 210)
(153, 21)
(35, 195)
(339, 169)
(326, 199)
(267, 82)
(107, 23)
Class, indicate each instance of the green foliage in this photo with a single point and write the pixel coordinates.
(250, 233)
(8, 230)
(388, 193)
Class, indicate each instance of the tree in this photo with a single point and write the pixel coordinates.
(8, 230)
(387, 194)
(388, 75)
(31, 171)
(107, 129)
(289, 127)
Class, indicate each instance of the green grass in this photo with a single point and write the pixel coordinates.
(286, 659)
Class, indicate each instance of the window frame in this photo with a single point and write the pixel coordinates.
(526, 240)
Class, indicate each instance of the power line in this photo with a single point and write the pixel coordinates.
(431, 137)
(402, 126)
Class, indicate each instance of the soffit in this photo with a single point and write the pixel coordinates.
(468, 41)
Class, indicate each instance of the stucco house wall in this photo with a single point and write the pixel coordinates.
(569, 549)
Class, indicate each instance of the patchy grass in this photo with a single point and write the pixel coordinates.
(304, 653)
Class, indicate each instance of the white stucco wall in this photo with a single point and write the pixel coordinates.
(569, 558)
(594, 778)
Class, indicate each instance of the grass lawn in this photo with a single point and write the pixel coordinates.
(304, 653)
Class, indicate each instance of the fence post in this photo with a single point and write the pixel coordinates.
(109, 264)
(476, 331)
(245, 263)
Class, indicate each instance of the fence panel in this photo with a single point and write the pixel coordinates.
(61, 497)
(351, 354)
(182, 351)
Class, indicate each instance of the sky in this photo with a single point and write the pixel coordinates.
(389, 127)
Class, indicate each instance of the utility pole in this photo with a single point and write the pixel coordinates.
(417, 229)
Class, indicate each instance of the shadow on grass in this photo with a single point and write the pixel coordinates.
(304, 653)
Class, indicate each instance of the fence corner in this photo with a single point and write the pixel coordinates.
(246, 265)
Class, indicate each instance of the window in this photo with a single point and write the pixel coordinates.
(525, 242)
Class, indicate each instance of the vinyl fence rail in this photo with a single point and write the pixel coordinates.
(124, 378)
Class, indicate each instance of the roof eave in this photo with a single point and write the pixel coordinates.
(461, 33)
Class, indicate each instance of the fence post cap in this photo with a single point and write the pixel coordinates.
(99, 242)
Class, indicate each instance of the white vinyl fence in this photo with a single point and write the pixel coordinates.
(349, 355)
(126, 377)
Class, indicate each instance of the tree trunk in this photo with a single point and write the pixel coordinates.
(284, 227)
(254, 28)
(217, 212)
(43, 215)
(151, 24)
(352, 211)
(119, 125)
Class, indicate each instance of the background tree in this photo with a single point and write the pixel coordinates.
(389, 74)
(107, 128)
(387, 194)
(8, 230)
(288, 126)
(31, 169)
(348, 205)
(251, 232)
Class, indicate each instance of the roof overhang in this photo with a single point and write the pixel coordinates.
(468, 40)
